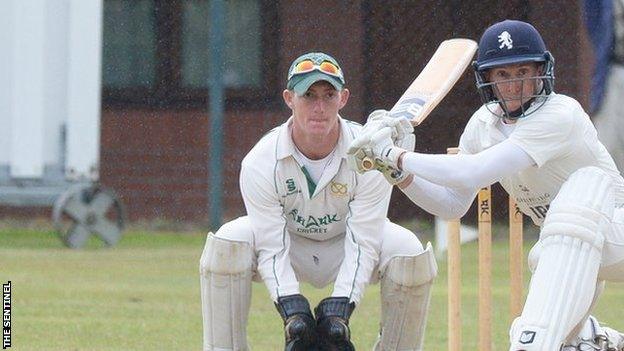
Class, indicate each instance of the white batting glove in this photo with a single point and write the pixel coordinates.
(402, 134)
(402, 129)
(360, 149)
(393, 176)
(383, 148)
(375, 121)
(357, 152)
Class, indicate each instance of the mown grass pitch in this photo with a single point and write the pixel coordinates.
(144, 295)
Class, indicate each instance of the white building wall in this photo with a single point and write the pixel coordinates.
(50, 79)
(27, 89)
(56, 62)
(6, 80)
(83, 91)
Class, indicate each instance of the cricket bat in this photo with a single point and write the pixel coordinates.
(442, 71)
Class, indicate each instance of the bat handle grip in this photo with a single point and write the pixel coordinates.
(368, 163)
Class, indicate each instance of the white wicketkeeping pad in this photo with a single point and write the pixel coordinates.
(405, 292)
(225, 270)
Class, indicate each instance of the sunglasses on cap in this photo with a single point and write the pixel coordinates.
(308, 65)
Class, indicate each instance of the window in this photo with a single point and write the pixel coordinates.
(242, 44)
(157, 52)
(129, 50)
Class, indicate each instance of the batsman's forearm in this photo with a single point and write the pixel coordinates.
(465, 171)
(455, 171)
(441, 201)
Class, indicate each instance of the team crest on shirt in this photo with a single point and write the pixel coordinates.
(505, 40)
(338, 189)
(291, 187)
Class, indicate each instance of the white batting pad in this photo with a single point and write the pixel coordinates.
(564, 282)
(405, 292)
(583, 206)
(225, 275)
(561, 292)
(612, 266)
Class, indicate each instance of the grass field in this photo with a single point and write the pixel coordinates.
(144, 295)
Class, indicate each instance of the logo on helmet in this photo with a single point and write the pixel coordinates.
(505, 39)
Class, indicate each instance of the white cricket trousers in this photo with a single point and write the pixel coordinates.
(318, 262)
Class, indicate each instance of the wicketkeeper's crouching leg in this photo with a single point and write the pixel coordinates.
(225, 275)
(405, 294)
(564, 281)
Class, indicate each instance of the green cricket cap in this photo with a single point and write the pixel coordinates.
(301, 82)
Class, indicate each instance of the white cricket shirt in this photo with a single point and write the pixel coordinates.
(559, 137)
(282, 200)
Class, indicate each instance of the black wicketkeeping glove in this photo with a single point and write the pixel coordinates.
(332, 324)
(299, 324)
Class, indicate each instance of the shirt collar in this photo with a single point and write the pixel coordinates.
(486, 116)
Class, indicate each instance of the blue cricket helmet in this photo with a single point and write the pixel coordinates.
(510, 42)
(506, 43)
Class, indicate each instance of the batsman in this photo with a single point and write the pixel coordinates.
(543, 149)
(310, 218)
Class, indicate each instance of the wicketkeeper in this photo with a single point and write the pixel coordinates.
(544, 151)
(311, 218)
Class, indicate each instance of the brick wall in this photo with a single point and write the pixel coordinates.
(157, 159)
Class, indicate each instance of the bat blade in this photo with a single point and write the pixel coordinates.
(438, 77)
(440, 74)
